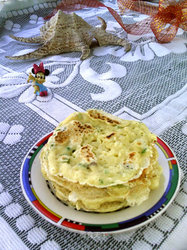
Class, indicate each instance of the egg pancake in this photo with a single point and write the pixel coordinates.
(98, 162)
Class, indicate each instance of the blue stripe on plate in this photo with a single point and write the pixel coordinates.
(25, 179)
(134, 220)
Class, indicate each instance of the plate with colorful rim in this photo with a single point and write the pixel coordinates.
(39, 195)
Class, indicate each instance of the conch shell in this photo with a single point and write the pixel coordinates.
(68, 33)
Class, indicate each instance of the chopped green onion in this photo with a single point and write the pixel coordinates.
(100, 181)
(144, 150)
(119, 126)
(84, 165)
(120, 185)
(79, 116)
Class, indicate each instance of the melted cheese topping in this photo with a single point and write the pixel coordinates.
(99, 149)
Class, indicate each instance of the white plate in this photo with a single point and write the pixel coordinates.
(42, 199)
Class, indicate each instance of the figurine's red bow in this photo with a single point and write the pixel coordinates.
(164, 20)
(39, 68)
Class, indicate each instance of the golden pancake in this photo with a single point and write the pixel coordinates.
(98, 162)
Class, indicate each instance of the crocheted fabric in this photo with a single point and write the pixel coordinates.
(147, 83)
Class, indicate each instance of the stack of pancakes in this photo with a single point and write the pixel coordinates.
(97, 162)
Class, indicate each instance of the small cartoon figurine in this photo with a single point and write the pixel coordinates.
(39, 79)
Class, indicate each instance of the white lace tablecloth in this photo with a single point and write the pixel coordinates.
(147, 84)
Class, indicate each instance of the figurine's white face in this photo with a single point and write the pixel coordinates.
(40, 77)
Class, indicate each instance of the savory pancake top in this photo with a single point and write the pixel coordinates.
(99, 149)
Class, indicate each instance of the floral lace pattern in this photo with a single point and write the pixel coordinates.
(147, 84)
